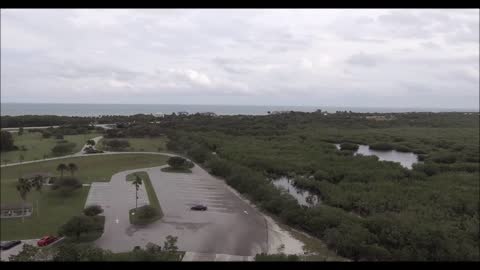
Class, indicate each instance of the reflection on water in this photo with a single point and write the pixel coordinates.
(302, 196)
(406, 159)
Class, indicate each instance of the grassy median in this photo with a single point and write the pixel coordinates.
(152, 198)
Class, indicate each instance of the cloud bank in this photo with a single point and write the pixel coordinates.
(397, 58)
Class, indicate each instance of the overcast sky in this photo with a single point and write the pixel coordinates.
(396, 58)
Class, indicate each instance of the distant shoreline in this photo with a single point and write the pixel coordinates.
(82, 109)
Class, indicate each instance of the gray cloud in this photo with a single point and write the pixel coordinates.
(362, 59)
(292, 57)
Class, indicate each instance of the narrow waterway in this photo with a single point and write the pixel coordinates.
(406, 159)
(303, 197)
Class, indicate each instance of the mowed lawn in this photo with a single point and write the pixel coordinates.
(56, 209)
(40, 148)
(152, 196)
(97, 168)
(154, 144)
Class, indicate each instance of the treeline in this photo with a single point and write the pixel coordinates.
(42, 120)
(135, 130)
(55, 120)
(263, 123)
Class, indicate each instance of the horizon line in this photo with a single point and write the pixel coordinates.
(254, 105)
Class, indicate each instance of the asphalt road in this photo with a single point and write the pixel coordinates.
(229, 226)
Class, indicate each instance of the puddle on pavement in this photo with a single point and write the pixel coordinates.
(130, 231)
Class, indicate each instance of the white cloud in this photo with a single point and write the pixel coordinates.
(306, 64)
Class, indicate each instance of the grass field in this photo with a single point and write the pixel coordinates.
(142, 144)
(90, 168)
(152, 197)
(40, 148)
(54, 208)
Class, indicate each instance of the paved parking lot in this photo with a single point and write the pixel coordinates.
(195, 257)
(230, 226)
(96, 195)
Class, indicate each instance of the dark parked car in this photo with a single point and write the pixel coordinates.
(9, 244)
(46, 240)
(199, 207)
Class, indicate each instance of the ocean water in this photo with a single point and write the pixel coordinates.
(130, 109)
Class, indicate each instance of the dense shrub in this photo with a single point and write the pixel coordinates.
(179, 163)
(446, 158)
(66, 185)
(114, 133)
(381, 146)
(219, 167)
(349, 146)
(402, 148)
(93, 210)
(199, 153)
(421, 157)
(77, 226)
(345, 153)
(321, 175)
(63, 148)
(428, 168)
(6, 140)
(116, 144)
(91, 142)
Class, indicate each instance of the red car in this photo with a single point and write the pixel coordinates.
(46, 240)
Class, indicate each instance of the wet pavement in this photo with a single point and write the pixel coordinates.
(229, 226)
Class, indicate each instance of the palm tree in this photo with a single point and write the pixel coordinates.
(62, 167)
(37, 182)
(23, 188)
(72, 167)
(137, 183)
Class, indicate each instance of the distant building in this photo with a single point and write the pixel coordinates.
(183, 113)
(279, 112)
(13, 210)
(208, 114)
(379, 118)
